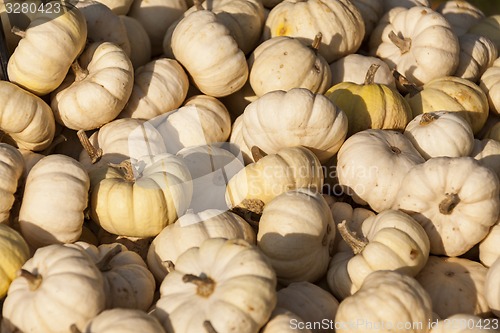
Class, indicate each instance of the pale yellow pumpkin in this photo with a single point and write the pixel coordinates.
(490, 83)
(370, 105)
(49, 46)
(296, 233)
(219, 75)
(95, 93)
(461, 15)
(455, 285)
(140, 45)
(284, 63)
(456, 200)
(25, 120)
(389, 300)
(15, 252)
(391, 240)
(259, 183)
(199, 294)
(160, 86)
(452, 94)
(298, 117)
(191, 230)
(11, 169)
(139, 200)
(418, 41)
(57, 279)
(339, 21)
(128, 284)
(491, 288)
(371, 165)
(440, 134)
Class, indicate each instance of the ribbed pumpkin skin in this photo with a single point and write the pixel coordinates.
(15, 252)
(11, 170)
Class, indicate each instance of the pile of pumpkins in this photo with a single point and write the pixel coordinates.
(250, 166)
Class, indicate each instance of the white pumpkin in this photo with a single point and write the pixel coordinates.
(140, 45)
(339, 21)
(30, 159)
(456, 200)
(353, 68)
(386, 299)
(199, 294)
(488, 247)
(191, 230)
(440, 134)
(298, 117)
(49, 46)
(492, 289)
(97, 90)
(219, 75)
(391, 240)
(211, 168)
(127, 281)
(455, 285)
(11, 170)
(418, 41)
(372, 163)
(308, 301)
(160, 86)
(490, 84)
(259, 183)
(54, 200)
(487, 153)
(477, 53)
(123, 321)
(284, 63)
(461, 15)
(371, 11)
(103, 25)
(57, 279)
(296, 233)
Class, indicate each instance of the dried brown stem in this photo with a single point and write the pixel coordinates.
(257, 153)
(357, 245)
(447, 205)
(317, 41)
(206, 285)
(34, 280)
(370, 74)
(403, 44)
(94, 153)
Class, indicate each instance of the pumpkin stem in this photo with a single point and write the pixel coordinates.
(197, 5)
(34, 280)
(79, 72)
(103, 264)
(94, 153)
(357, 245)
(412, 88)
(257, 153)
(18, 32)
(447, 205)
(169, 266)
(403, 44)
(57, 140)
(395, 150)
(317, 41)
(427, 118)
(127, 168)
(74, 329)
(206, 285)
(370, 74)
(208, 327)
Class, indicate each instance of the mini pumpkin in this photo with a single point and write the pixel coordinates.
(372, 163)
(418, 41)
(457, 202)
(370, 105)
(487, 153)
(455, 285)
(488, 247)
(283, 63)
(488, 27)
(57, 279)
(97, 90)
(440, 134)
(391, 240)
(15, 252)
(25, 119)
(124, 321)
(461, 15)
(259, 183)
(54, 200)
(284, 321)
(296, 233)
(197, 295)
(190, 230)
(490, 83)
(140, 45)
(477, 54)
(11, 170)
